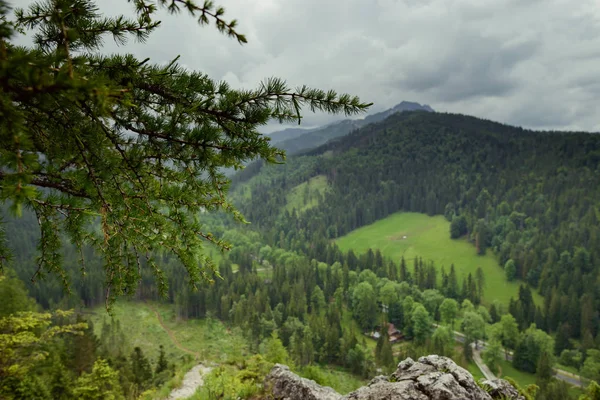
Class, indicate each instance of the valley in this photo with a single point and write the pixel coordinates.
(411, 235)
(165, 235)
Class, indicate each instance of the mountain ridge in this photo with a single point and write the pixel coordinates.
(295, 140)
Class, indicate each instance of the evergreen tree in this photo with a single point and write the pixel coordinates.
(453, 291)
(140, 369)
(84, 348)
(161, 364)
(562, 341)
(82, 163)
(364, 305)
(544, 371)
(404, 274)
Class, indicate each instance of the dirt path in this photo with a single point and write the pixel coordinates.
(191, 382)
(172, 335)
(194, 378)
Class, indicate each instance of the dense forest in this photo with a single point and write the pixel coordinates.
(114, 196)
(529, 197)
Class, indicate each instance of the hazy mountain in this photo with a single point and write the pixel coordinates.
(299, 140)
(289, 133)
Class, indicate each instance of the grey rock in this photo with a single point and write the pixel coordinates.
(499, 389)
(431, 377)
(285, 385)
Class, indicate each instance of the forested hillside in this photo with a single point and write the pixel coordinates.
(530, 197)
(297, 140)
(287, 286)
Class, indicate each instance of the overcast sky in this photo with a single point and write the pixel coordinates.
(532, 63)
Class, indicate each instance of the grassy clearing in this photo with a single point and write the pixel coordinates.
(337, 378)
(521, 377)
(140, 327)
(418, 235)
(207, 338)
(306, 195)
(475, 371)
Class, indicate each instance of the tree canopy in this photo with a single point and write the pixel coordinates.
(123, 154)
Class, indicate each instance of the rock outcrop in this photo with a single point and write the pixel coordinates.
(431, 377)
(285, 385)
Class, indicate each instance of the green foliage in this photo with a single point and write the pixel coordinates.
(162, 363)
(592, 392)
(121, 154)
(449, 311)
(554, 390)
(274, 351)
(360, 361)
(141, 370)
(101, 384)
(24, 338)
(492, 355)
(510, 270)
(443, 341)
(458, 227)
(544, 371)
(528, 392)
(364, 305)
(591, 366)
(422, 324)
(473, 326)
(506, 332)
(336, 378)
(308, 194)
(229, 382)
(532, 344)
(14, 295)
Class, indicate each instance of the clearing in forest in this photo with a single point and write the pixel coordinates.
(307, 194)
(418, 235)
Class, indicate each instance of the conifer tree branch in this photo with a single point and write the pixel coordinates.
(122, 144)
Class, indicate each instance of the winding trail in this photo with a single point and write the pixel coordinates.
(172, 335)
(194, 378)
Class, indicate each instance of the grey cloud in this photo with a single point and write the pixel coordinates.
(532, 63)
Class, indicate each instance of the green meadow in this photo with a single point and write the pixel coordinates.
(306, 195)
(418, 235)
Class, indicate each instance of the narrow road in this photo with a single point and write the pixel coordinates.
(487, 373)
(559, 374)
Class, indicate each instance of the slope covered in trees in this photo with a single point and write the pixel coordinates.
(297, 140)
(530, 197)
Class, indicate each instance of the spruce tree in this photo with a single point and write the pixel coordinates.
(161, 364)
(123, 154)
(140, 368)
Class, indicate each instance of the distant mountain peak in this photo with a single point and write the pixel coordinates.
(294, 140)
(400, 107)
(411, 106)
